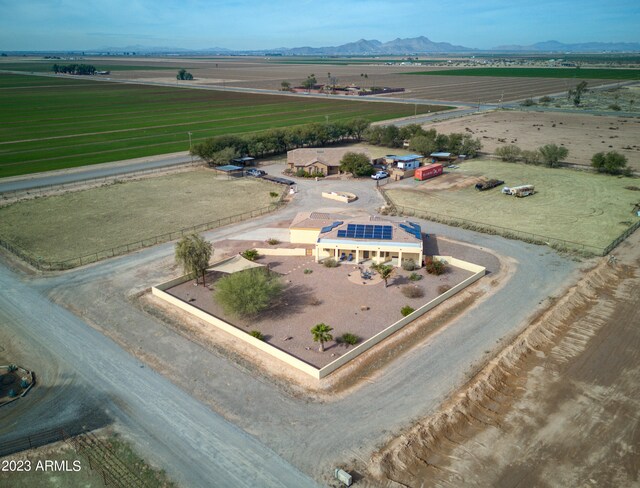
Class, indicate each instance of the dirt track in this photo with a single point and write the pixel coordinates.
(559, 407)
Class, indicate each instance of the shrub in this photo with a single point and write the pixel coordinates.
(612, 163)
(308, 271)
(349, 338)
(435, 266)
(409, 265)
(508, 153)
(528, 102)
(615, 107)
(443, 289)
(257, 334)
(314, 301)
(274, 194)
(250, 254)
(12, 368)
(530, 157)
(12, 393)
(249, 292)
(24, 383)
(273, 242)
(546, 99)
(415, 277)
(330, 263)
(412, 291)
(552, 154)
(407, 310)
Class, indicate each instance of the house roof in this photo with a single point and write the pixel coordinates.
(408, 157)
(234, 264)
(329, 156)
(440, 155)
(229, 167)
(314, 220)
(388, 232)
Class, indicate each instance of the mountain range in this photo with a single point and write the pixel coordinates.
(414, 45)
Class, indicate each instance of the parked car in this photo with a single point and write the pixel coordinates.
(380, 175)
(256, 172)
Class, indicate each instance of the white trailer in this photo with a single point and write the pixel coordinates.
(519, 191)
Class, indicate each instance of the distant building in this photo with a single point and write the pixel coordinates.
(318, 160)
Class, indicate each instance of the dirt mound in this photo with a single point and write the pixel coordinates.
(424, 452)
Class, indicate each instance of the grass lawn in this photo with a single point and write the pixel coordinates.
(582, 73)
(52, 123)
(75, 224)
(582, 207)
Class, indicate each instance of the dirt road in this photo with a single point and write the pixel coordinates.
(559, 410)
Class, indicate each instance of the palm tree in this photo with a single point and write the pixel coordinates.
(385, 271)
(193, 254)
(321, 334)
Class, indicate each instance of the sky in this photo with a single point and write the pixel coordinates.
(253, 24)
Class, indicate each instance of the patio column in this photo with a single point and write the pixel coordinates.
(357, 256)
(400, 259)
(336, 255)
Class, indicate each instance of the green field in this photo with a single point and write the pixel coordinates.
(53, 123)
(582, 73)
(585, 208)
(58, 228)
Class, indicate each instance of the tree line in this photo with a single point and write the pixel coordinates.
(220, 150)
(422, 141)
(75, 69)
(551, 155)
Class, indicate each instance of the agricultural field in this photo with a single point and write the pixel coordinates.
(261, 73)
(581, 73)
(85, 222)
(52, 123)
(583, 135)
(584, 208)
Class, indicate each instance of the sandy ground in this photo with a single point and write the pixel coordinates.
(559, 407)
(311, 298)
(583, 135)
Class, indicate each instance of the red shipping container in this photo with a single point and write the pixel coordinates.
(426, 172)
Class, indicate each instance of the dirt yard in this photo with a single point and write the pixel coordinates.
(312, 298)
(558, 407)
(79, 223)
(583, 135)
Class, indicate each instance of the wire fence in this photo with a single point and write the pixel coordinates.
(487, 228)
(50, 265)
(20, 194)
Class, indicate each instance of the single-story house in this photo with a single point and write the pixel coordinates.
(377, 241)
(318, 160)
(306, 226)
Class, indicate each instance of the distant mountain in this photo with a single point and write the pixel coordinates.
(416, 45)
(584, 47)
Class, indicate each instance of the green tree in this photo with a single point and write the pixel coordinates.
(612, 163)
(310, 82)
(470, 147)
(285, 86)
(575, 94)
(552, 154)
(358, 126)
(183, 74)
(385, 271)
(357, 164)
(508, 153)
(224, 156)
(530, 157)
(247, 293)
(321, 333)
(193, 254)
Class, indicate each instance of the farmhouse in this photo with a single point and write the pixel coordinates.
(408, 162)
(315, 160)
(358, 241)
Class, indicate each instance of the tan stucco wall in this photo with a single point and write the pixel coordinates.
(304, 236)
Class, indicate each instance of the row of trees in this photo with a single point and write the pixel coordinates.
(74, 69)
(221, 149)
(551, 156)
(422, 141)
